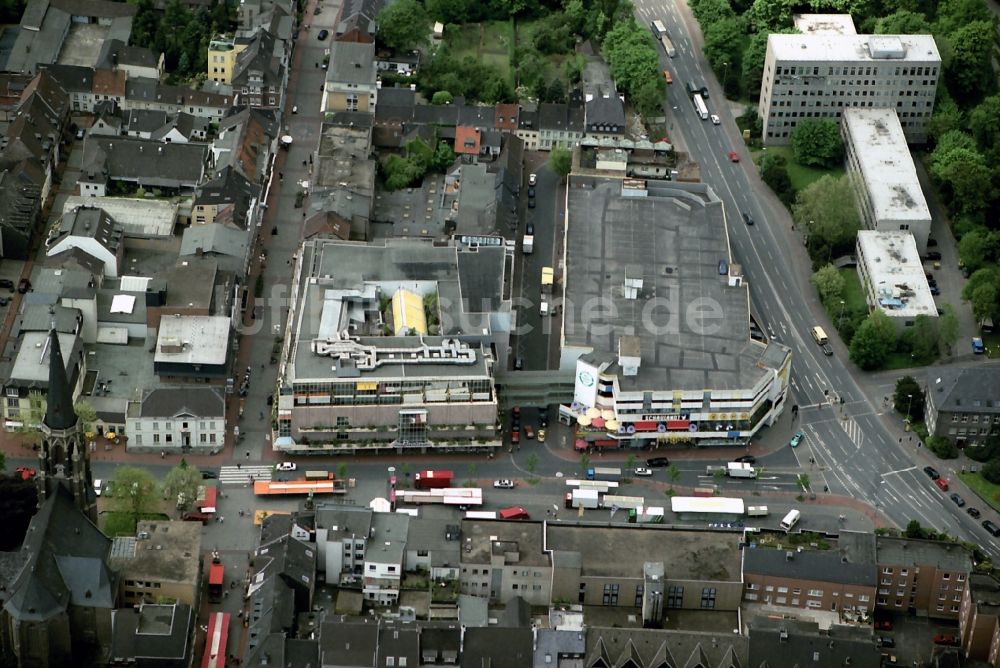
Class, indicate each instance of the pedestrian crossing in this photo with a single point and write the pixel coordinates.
(854, 432)
(233, 475)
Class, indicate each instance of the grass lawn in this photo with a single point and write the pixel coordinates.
(854, 294)
(489, 43)
(983, 487)
(799, 175)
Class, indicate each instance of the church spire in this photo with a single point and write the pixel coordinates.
(59, 413)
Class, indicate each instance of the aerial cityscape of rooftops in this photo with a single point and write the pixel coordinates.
(387, 333)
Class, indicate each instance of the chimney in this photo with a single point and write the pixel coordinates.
(629, 354)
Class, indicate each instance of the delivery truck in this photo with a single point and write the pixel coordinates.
(646, 515)
(528, 244)
(433, 479)
(604, 473)
(583, 498)
(514, 513)
(740, 470)
(756, 511)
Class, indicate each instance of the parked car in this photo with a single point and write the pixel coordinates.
(23, 285)
(543, 419)
(959, 501)
(746, 459)
(657, 462)
(945, 639)
(286, 466)
(516, 412)
(7, 283)
(532, 179)
(4, 301)
(531, 191)
(529, 431)
(796, 439)
(931, 242)
(933, 256)
(196, 517)
(529, 229)
(932, 472)
(531, 203)
(885, 641)
(973, 512)
(26, 472)
(323, 34)
(883, 624)
(515, 436)
(208, 475)
(503, 484)
(98, 486)
(642, 471)
(518, 363)
(541, 435)
(991, 527)
(942, 484)
(935, 290)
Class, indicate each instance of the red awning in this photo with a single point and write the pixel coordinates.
(580, 444)
(678, 424)
(211, 496)
(597, 423)
(605, 443)
(645, 425)
(216, 574)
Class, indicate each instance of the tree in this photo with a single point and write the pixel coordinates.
(403, 24)
(903, 22)
(723, 48)
(87, 415)
(979, 247)
(826, 208)
(342, 471)
(804, 481)
(947, 116)
(770, 15)
(914, 530)
(774, 172)
(531, 463)
(584, 462)
(817, 141)
(711, 11)
(923, 338)
(136, 494)
(752, 63)
(969, 73)
(561, 161)
(948, 328)
(982, 291)
(984, 123)
(829, 283)
(953, 14)
(182, 482)
(909, 396)
(874, 340)
(630, 462)
(992, 471)
(674, 474)
(556, 91)
(632, 58)
(442, 97)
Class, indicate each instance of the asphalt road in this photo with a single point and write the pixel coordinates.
(855, 452)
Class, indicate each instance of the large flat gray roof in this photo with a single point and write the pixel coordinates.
(673, 238)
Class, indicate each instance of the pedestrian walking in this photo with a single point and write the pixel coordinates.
(239, 465)
(162, 454)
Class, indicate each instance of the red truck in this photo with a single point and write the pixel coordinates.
(514, 513)
(433, 479)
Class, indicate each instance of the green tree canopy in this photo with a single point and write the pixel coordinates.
(923, 338)
(442, 97)
(403, 24)
(770, 15)
(903, 22)
(136, 494)
(724, 43)
(982, 291)
(874, 340)
(774, 172)
(984, 122)
(826, 208)
(829, 284)
(979, 247)
(965, 179)
(969, 71)
(561, 161)
(947, 116)
(948, 327)
(711, 11)
(182, 481)
(817, 141)
(909, 396)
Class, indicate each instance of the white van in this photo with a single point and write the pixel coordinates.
(791, 519)
(819, 335)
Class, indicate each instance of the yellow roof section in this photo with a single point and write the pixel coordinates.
(408, 313)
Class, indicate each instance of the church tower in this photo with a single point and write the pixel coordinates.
(63, 458)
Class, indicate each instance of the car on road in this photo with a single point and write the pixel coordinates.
(959, 501)
(23, 285)
(885, 641)
(931, 472)
(26, 472)
(7, 283)
(945, 639)
(747, 218)
(657, 462)
(973, 512)
(208, 475)
(942, 484)
(323, 34)
(286, 466)
(515, 412)
(543, 420)
(541, 435)
(883, 624)
(529, 229)
(666, 77)
(935, 290)
(515, 436)
(746, 459)
(531, 191)
(827, 349)
(532, 179)
(715, 119)
(991, 527)
(531, 203)
(796, 439)
(98, 486)
(933, 256)
(734, 156)
(642, 471)
(503, 484)
(529, 431)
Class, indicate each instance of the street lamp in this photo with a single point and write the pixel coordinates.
(840, 320)
(725, 77)
(909, 404)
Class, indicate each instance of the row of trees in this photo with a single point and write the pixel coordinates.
(180, 34)
(635, 65)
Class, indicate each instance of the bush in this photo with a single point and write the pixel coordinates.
(942, 447)
(992, 471)
(985, 452)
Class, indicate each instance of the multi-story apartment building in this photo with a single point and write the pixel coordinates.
(161, 563)
(892, 276)
(504, 560)
(392, 346)
(341, 537)
(352, 78)
(655, 570)
(640, 262)
(27, 377)
(979, 620)
(963, 405)
(820, 75)
(383, 566)
(838, 580)
(222, 52)
(260, 71)
(921, 577)
(887, 190)
(559, 126)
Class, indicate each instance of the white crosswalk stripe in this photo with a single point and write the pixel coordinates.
(232, 475)
(853, 430)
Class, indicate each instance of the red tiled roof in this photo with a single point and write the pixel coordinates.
(109, 82)
(467, 140)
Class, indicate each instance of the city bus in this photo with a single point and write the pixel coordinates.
(216, 580)
(699, 106)
(658, 28)
(215, 643)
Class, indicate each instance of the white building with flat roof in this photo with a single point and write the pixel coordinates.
(888, 192)
(832, 24)
(193, 347)
(821, 74)
(892, 276)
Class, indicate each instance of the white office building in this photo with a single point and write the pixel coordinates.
(892, 276)
(823, 73)
(888, 192)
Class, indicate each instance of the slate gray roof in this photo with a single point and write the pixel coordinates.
(440, 642)
(788, 643)
(497, 648)
(41, 318)
(969, 390)
(258, 57)
(851, 562)
(605, 114)
(144, 120)
(59, 413)
(115, 52)
(214, 238)
(151, 633)
(272, 610)
(64, 557)
(398, 645)
(348, 642)
(91, 222)
(647, 648)
(352, 63)
(359, 15)
(172, 402)
(552, 643)
(907, 551)
(146, 162)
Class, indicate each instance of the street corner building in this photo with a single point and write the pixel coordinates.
(392, 347)
(656, 321)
